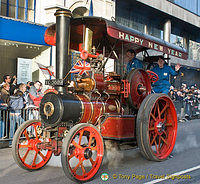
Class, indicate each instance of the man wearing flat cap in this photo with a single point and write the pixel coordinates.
(163, 71)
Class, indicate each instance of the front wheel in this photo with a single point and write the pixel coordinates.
(25, 151)
(156, 127)
(82, 152)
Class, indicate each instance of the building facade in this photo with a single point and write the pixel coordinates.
(175, 21)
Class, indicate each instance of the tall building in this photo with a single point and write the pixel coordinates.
(175, 21)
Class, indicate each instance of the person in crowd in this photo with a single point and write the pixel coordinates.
(35, 93)
(188, 107)
(13, 85)
(172, 95)
(133, 62)
(16, 105)
(5, 93)
(3, 108)
(6, 80)
(29, 84)
(163, 71)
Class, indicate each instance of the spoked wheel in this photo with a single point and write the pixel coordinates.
(156, 127)
(24, 147)
(82, 152)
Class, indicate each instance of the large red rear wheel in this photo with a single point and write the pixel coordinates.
(82, 152)
(24, 147)
(156, 127)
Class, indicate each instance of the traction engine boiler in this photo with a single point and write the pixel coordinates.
(79, 115)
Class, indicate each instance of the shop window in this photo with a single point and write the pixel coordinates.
(18, 9)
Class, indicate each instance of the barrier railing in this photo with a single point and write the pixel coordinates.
(11, 120)
(187, 111)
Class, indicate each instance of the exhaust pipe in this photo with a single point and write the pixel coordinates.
(63, 63)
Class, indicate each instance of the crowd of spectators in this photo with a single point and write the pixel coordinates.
(19, 96)
(14, 98)
(187, 101)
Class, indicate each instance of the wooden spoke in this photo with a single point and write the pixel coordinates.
(158, 108)
(36, 134)
(71, 156)
(159, 142)
(156, 146)
(93, 148)
(153, 139)
(163, 110)
(92, 161)
(36, 154)
(80, 137)
(151, 129)
(77, 166)
(164, 140)
(168, 124)
(26, 135)
(165, 133)
(25, 155)
(76, 145)
(90, 140)
(154, 118)
(24, 146)
(83, 169)
(43, 157)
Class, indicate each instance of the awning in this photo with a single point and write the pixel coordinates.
(20, 31)
(102, 28)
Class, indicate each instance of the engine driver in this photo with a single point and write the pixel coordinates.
(133, 62)
(163, 71)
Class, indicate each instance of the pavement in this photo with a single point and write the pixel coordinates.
(126, 166)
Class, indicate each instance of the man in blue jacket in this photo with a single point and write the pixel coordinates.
(163, 71)
(133, 62)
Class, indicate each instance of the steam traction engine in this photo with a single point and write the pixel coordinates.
(78, 116)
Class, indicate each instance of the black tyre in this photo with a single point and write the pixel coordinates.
(156, 127)
(24, 146)
(82, 152)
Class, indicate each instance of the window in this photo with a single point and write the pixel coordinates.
(191, 5)
(19, 9)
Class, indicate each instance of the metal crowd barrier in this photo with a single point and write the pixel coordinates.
(185, 110)
(11, 120)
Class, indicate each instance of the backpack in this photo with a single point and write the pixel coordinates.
(16, 102)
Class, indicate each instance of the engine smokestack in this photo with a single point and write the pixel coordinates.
(63, 64)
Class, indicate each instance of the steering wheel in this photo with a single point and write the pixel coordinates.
(152, 76)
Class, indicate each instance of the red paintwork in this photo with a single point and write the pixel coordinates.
(92, 110)
(141, 41)
(50, 35)
(99, 79)
(152, 76)
(118, 127)
(79, 150)
(99, 109)
(139, 77)
(113, 87)
(163, 140)
(29, 145)
(87, 109)
(84, 54)
(126, 90)
(61, 131)
(51, 91)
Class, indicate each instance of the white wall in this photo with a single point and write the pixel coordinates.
(44, 59)
(45, 9)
